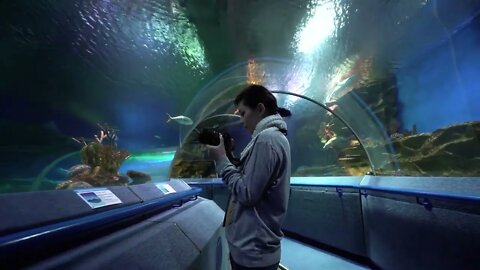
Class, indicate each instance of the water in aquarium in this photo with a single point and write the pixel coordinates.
(115, 92)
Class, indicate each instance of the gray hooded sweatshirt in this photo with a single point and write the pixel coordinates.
(259, 190)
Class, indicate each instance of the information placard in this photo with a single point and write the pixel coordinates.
(98, 197)
(165, 188)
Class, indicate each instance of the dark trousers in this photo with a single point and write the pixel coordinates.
(236, 266)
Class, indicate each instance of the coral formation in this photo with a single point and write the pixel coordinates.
(101, 160)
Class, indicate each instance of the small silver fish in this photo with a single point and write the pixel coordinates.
(329, 142)
(342, 88)
(182, 120)
(62, 171)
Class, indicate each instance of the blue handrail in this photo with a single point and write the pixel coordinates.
(423, 193)
(324, 185)
(408, 192)
(400, 191)
(363, 188)
(74, 226)
(206, 182)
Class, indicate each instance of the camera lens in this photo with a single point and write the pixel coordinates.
(210, 137)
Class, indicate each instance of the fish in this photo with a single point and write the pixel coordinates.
(62, 172)
(329, 142)
(332, 108)
(181, 119)
(342, 88)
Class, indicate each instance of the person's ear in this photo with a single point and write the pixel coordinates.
(261, 108)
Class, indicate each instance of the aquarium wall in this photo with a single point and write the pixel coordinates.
(439, 88)
(438, 93)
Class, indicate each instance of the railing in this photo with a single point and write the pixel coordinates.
(350, 182)
(64, 230)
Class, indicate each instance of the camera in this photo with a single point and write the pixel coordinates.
(210, 137)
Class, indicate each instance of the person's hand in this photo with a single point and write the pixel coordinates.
(216, 152)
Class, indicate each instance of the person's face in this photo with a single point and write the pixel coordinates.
(251, 117)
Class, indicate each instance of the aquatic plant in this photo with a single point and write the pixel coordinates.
(103, 158)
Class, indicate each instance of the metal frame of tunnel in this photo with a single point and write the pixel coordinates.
(335, 115)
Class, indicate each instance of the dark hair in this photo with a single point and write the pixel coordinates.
(254, 94)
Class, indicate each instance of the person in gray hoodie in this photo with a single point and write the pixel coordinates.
(260, 186)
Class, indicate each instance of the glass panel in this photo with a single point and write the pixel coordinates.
(321, 145)
(402, 74)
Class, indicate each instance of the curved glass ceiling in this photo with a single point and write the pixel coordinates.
(403, 75)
